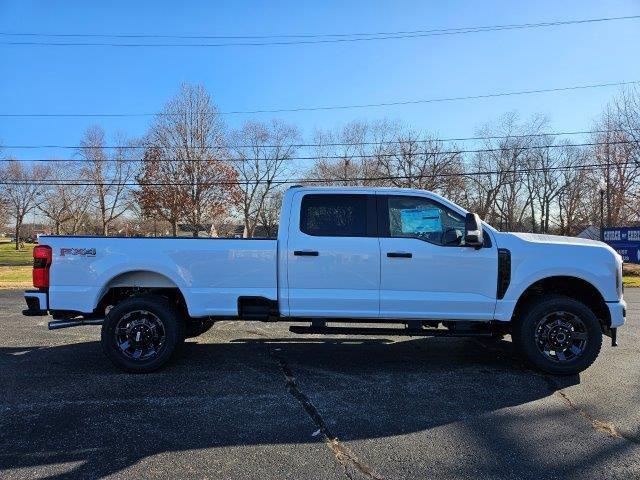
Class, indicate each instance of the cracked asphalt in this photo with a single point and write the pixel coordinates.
(250, 400)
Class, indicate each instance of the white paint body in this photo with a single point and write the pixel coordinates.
(349, 278)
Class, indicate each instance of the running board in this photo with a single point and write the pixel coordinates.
(58, 324)
(405, 332)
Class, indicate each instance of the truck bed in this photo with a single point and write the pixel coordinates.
(211, 273)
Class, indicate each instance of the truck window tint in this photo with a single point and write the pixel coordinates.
(422, 218)
(334, 215)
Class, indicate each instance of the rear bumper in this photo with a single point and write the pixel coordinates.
(37, 304)
(618, 312)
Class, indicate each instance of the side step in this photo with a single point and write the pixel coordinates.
(404, 332)
(58, 324)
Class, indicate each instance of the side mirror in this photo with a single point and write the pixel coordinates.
(473, 231)
(452, 236)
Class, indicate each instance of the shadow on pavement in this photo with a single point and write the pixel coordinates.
(68, 404)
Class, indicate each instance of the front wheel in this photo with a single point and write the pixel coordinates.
(141, 333)
(558, 335)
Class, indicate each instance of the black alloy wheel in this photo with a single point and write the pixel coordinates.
(558, 334)
(140, 334)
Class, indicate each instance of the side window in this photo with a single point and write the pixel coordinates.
(418, 217)
(328, 215)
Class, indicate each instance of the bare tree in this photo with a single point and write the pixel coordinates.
(541, 176)
(423, 162)
(577, 185)
(270, 215)
(4, 213)
(627, 106)
(186, 176)
(500, 190)
(55, 206)
(109, 174)
(345, 156)
(628, 116)
(22, 192)
(79, 207)
(261, 153)
(58, 197)
(617, 155)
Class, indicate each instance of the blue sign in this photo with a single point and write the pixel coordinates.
(625, 241)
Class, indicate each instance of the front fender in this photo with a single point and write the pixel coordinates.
(518, 287)
(506, 306)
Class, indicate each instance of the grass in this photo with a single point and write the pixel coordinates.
(15, 277)
(631, 281)
(631, 275)
(631, 269)
(9, 256)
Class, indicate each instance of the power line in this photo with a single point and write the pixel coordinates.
(336, 157)
(337, 107)
(509, 171)
(366, 34)
(306, 39)
(339, 144)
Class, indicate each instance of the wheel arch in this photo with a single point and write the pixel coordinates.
(570, 286)
(136, 282)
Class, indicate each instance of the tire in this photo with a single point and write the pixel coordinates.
(140, 334)
(197, 328)
(558, 335)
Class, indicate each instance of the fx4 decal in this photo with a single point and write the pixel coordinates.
(82, 252)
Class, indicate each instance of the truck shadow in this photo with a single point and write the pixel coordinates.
(67, 404)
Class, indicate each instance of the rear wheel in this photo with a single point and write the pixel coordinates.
(558, 335)
(141, 333)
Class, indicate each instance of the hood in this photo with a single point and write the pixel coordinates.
(560, 240)
(540, 238)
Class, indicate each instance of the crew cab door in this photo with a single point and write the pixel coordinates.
(424, 273)
(333, 256)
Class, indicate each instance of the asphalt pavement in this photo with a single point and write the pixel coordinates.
(251, 400)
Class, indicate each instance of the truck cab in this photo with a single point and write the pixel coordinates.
(409, 260)
(384, 255)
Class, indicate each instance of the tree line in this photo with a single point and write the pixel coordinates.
(190, 173)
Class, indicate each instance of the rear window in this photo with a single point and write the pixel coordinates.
(334, 215)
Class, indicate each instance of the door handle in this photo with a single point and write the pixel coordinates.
(399, 255)
(305, 253)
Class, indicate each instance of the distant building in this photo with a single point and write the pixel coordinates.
(591, 232)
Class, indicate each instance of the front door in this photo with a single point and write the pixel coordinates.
(333, 256)
(426, 271)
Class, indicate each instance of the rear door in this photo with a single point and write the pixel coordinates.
(425, 273)
(333, 256)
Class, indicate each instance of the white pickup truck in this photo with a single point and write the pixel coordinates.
(408, 260)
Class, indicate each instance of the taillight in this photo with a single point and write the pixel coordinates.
(42, 256)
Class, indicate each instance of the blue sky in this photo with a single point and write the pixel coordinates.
(38, 79)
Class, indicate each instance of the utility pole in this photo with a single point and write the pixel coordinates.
(602, 214)
(608, 224)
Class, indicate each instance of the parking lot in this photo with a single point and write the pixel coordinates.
(251, 400)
